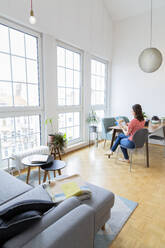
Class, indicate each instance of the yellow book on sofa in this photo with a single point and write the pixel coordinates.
(71, 189)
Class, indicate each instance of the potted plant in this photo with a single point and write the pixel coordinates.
(51, 135)
(60, 141)
(92, 120)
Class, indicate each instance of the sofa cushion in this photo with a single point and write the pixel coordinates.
(48, 219)
(27, 205)
(37, 193)
(9, 227)
(11, 187)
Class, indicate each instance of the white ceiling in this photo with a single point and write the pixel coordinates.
(121, 9)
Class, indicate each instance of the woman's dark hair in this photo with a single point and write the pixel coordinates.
(138, 112)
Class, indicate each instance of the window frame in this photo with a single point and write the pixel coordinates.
(99, 106)
(72, 108)
(18, 111)
(25, 30)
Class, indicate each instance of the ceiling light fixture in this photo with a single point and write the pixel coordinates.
(150, 58)
(32, 18)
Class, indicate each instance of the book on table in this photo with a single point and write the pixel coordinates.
(37, 159)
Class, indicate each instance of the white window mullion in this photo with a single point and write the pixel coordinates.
(11, 67)
(26, 71)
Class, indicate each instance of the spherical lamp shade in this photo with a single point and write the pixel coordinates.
(150, 60)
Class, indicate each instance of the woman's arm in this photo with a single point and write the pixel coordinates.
(124, 128)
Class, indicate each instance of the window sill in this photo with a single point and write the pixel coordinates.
(76, 146)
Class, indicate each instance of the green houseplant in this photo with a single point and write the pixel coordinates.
(60, 141)
(51, 135)
(92, 119)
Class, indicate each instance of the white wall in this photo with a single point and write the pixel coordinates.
(129, 84)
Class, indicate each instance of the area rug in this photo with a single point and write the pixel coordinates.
(33, 179)
(120, 213)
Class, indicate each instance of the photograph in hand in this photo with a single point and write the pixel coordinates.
(120, 122)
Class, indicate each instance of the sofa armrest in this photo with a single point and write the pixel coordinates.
(47, 220)
(75, 230)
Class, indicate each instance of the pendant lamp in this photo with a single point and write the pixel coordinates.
(150, 58)
(32, 18)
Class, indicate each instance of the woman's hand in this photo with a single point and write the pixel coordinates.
(125, 129)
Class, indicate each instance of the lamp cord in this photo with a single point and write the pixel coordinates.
(31, 5)
(151, 26)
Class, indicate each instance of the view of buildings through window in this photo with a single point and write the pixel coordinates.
(98, 86)
(18, 134)
(69, 92)
(19, 88)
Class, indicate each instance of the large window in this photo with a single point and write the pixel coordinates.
(18, 68)
(20, 108)
(98, 87)
(69, 74)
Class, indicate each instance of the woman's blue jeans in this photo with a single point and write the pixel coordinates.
(123, 140)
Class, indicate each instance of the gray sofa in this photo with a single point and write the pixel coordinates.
(72, 224)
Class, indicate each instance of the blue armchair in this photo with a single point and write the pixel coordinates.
(125, 118)
(109, 122)
(106, 123)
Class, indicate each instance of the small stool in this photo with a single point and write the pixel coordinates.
(54, 150)
(56, 165)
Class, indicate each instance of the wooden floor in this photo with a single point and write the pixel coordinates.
(146, 227)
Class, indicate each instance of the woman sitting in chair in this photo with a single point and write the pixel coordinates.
(125, 139)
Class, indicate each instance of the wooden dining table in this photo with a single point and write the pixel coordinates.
(152, 128)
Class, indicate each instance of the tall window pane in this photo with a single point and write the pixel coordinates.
(98, 82)
(98, 89)
(19, 90)
(5, 69)
(4, 41)
(17, 42)
(69, 74)
(69, 123)
(68, 77)
(6, 94)
(19, 66)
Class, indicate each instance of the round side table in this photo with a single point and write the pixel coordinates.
(27, 162)
(56, 165)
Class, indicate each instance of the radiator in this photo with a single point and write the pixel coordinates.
(17, 157)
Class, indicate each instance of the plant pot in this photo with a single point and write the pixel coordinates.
(51, 138)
